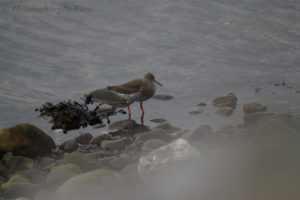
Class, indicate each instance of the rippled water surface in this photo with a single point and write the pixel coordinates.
(198, 49)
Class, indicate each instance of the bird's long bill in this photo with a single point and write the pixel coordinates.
(155, 81)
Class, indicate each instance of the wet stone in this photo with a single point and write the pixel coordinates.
(158, 120)
(84, 138)
(99, 154)
(69, 146)
(124, 124)
(226, 101)
(120, 162)
(154, 134)
(202, 133)
(254, 108)
(202, 104)
(152, 144)
(167, 127)
(196, 111)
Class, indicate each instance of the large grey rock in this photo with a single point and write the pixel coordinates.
(177, 151)
(116, 145)
(167, 127)
(254, 108)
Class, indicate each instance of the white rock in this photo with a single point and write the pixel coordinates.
(178, 150)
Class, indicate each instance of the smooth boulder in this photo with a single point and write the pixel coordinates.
(25, 140)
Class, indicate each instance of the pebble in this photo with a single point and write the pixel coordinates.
(254, 108)
(154, 134)
(84, 138)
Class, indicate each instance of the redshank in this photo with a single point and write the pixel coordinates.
(123, 95)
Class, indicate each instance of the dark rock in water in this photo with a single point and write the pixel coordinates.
(98, 139)
(158, 120)
(18, 186)
(124, 124)
(120, 162)
(149, 145)
(25, 140)
(226, 101)
(202, 133)
(116, 145)
(163, 97)
(130, 132)
(202, 104)
(84, 138)
(228, 111)
(253, 108)
(153, 134)
(195, 112)
(69, 146)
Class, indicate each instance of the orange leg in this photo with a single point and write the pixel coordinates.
(141, 106)
(129, 112)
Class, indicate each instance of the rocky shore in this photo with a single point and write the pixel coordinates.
(133, 161)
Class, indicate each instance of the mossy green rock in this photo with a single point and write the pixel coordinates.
(93, 184)
(60, 174)
(26, 140)
(33, 175)
(19, 186)
(83, 161)
(2, 180)
(18, 163)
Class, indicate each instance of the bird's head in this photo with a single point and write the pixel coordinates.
(149, 76)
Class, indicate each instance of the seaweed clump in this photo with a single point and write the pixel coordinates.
(70, 115)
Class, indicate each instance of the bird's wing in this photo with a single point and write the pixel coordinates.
(129, 87)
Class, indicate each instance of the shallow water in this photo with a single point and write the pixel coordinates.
(198, 49)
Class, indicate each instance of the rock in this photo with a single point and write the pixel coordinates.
(226, 101)
(69, 146)
(60, 174)
(196, 111)
(251, 119)
(99, 154)
(84, 138)
(153, 134)
(33, 175)
(177, 151)
(124, 124)
(202, 104)
(152, 144)
(202, 134)
(167, 127)
(98, 139)
(225, 111)
(120, 162)
(254, 108)
(18, 186)
(94, 184)
(22, 198)
(158, 120)
(17, 163)
(25, 140)
(83, 161)
(163, 97)
(116, 145)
